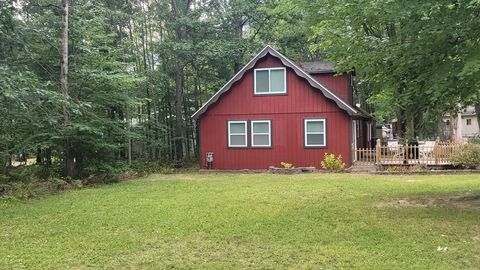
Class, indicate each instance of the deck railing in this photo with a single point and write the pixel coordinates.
(439, 153)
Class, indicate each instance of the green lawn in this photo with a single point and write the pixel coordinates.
(250, 221)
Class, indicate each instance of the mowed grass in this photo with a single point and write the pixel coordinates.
(250, 221)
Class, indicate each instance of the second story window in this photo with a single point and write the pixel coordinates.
(270, 81)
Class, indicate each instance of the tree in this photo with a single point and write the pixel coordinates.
(415, 52)
(68, 148)
(130, 75)
(414, 58)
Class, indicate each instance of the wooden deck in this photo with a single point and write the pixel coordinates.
(437, 154)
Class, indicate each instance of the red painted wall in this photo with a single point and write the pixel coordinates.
(338, 84)
(287, 114)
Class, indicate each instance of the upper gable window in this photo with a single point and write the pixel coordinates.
(270, 81)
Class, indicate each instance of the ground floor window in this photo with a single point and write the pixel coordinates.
(315, 135)
(261, 133)
(237, 133)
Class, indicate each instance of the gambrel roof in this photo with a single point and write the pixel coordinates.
(288, 63)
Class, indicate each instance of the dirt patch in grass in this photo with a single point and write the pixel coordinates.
(407, 180)
(463, 200)
(411, 180)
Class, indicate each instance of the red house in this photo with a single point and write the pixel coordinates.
(274, 111)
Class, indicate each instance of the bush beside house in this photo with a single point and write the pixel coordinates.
(468, 156)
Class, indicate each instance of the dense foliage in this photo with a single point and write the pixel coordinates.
(137, 70)
(415, 60)
(468, 156)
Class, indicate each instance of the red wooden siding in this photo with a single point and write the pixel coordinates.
(287, 114)
(339, 84)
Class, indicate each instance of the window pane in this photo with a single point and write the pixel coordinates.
(237, 127)
(261, 81)
(315, 139)
(315, 126)
(277, 80)
(260, 140)
(238, 140)
(260, 128)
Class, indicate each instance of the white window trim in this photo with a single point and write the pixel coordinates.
(245, 133)
(305, 133)
(269, 81)
(262, 133)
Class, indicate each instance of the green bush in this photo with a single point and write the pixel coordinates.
(4, 179)
(117, 167)
(30, 173)
(76, 183)
(474, 140)
(332, 163)
(56, 184)
(102, 179)
(25, 174)
(468, 156)
(30, 181)
(22, 190)
(145, 167)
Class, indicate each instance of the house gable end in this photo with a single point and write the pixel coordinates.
(287, 63)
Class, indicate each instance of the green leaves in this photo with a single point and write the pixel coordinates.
(425, 52)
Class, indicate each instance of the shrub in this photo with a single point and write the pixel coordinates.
(287, 165)
(30, 173)
(474, 140)
(76, 183)
(115, 167)
(143, 167)
(332, 163)
(102, 179)
(25, 174)
(468, 156)
(56, 184)
(22, 190)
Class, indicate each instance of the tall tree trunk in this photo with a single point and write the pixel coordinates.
(196, 130)
(69, 156)
(179, 128)
(64, 61)
(180, 35)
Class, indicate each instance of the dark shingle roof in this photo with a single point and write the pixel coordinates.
(317, 67)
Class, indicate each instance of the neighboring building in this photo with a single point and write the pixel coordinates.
(274, 111)
(467, 126)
